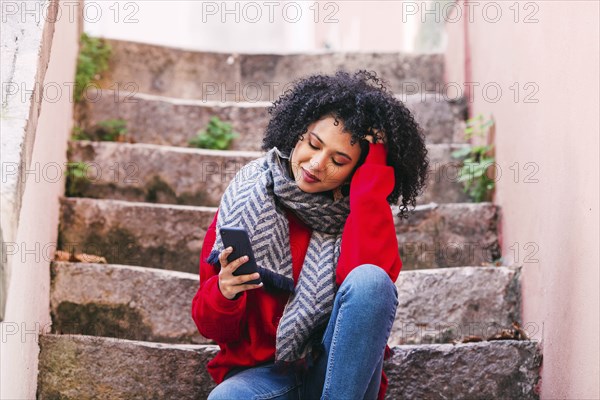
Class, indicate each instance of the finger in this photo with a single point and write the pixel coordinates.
(249, 286)
(246, 277)
(235, 264)
(223, 256)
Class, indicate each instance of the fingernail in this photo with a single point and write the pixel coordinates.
(229, 248)
(245, 258)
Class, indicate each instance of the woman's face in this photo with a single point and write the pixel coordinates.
(326, 153)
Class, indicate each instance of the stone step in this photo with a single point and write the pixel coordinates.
(170, 236)
(75, 366)
(435, 306)
(145, 68)
(123, 301)
(178, 175)
(169, 121)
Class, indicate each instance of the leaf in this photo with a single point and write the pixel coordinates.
(460, 153)
(217, 135)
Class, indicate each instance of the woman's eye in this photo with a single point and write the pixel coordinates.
(316, 148)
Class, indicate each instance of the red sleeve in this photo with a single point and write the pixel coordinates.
(369, 235)
(216, 316)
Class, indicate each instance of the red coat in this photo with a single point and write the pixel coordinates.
(245, 328)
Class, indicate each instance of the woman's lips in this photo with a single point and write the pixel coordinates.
(307, 177)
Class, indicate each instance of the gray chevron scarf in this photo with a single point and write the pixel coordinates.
(253, 200)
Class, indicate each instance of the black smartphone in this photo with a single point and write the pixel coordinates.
(239, 240)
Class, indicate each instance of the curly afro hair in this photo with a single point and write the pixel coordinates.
(362, 102)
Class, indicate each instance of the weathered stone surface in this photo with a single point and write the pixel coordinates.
(87, 367)
(78, 367)
(171, 237)
(187, 74)
(123, 301)
(442, 119)
(449, 235)
(167, 121)
(177, 175)
(441, 305)
(173, 122)
(442, 182)
(434, 306)
(157, 174)
(153, 235)
(504, 370)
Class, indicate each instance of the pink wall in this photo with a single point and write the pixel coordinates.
(27, 306)
(357, 26)
(553, 223)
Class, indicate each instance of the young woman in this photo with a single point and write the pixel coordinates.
(340, 150)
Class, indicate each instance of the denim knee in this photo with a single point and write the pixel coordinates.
(228, 390)
(222, 392)
(371, 281)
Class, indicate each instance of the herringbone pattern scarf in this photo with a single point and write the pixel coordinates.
(253, 201)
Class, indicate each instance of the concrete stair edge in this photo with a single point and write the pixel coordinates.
(433, 236)
(177, 175)
(76, 365)
(142, 303)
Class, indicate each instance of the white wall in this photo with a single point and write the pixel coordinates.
(197, 25)
(256, 27)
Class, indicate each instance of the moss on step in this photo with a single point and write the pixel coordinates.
(159, 191)
(155, 191)
(118, 245)
(118, 321)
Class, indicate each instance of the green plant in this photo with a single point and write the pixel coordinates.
(92, 60)
(477, 161)
(110, 130)
(217, 135)
(77, 178)
(78, 133)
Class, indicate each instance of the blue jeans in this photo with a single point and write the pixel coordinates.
(354, 341)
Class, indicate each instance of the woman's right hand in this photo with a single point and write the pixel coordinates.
(376, 136)
(229, 284)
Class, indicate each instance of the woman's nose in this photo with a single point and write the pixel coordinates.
(317, 163)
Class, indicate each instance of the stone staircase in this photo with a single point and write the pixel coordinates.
(124, 329)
